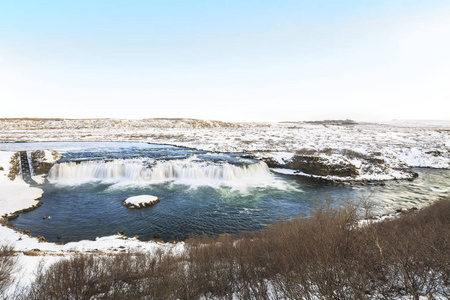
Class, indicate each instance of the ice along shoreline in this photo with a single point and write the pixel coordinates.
(366, 151)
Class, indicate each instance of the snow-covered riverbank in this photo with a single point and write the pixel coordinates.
(362, 151)
(16, 195)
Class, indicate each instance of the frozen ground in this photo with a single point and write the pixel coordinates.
(375, 151)
(365, 151)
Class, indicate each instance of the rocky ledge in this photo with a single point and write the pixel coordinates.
(315, 165)
(140, 201)
(335, 164)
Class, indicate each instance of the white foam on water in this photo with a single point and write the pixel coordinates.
(440, 191)
(190, 171)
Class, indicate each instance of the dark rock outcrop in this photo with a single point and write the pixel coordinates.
(39, 165)
(315, 165)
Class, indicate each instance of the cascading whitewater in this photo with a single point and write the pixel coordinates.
(183, 171)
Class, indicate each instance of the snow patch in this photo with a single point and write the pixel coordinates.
(140, 201)
(137, 200)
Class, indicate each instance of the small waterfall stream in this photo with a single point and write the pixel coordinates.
(185, 171)
(201, 192)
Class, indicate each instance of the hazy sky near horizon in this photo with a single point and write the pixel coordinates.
(226, 60)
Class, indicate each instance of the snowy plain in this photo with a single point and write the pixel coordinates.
(399, 145)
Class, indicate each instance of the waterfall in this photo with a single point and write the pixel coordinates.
(183, 171)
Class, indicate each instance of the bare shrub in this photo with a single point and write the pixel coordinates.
(14, 169)
(327, 151)
(306, 151)
(416, 247)
(79, 277)
(8, 263)
(349, 153)
(325, 256)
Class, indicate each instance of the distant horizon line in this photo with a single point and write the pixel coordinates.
(218, 120)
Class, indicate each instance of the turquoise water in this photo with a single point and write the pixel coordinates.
(201, 192)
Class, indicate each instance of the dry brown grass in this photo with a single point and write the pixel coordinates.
(324, 257)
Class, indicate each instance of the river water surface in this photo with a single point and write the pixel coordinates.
(201, 192)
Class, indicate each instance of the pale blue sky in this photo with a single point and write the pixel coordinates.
(225, 60)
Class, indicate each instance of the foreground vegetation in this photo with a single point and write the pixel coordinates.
(7, 266)
(326, 256)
